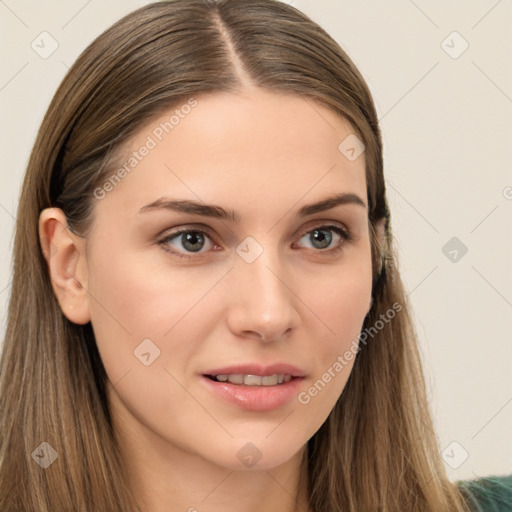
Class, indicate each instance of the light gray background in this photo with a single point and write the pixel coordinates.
(447, 135)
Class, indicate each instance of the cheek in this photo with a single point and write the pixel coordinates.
(341, 299)
(148, 327)
(138, 300)
(340, 311)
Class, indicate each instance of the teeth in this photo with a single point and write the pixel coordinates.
(254, 380)
(236, 378)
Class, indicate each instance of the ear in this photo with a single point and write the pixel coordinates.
(67, 265)
(380, 230)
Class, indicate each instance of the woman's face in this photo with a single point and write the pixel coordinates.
(279, 290)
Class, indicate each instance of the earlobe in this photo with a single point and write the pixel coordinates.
(64, 253)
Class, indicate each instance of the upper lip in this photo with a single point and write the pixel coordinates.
(258, 369)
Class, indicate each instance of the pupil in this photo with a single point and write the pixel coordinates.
(189, 240)
(319, 234)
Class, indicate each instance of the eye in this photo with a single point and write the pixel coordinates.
(187, 240)
(322, 237)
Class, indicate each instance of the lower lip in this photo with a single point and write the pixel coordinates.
(255, 398)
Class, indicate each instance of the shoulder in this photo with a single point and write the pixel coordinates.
(488, 494)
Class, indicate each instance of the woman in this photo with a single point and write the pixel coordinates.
(206, 312)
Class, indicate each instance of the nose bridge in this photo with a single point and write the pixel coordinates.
(264, 302)
(259, 268)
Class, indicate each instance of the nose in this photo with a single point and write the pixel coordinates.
(262, 302)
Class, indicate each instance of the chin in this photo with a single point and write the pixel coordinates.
(257, 455)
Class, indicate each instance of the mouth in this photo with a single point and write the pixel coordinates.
(255, 387)
(240, 379)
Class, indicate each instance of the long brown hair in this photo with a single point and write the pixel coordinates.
(377, 449)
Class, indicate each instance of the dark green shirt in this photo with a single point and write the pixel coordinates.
(488, 494)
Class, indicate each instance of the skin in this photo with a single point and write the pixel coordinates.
(263, 155)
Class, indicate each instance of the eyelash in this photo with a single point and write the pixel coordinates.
(345, 234)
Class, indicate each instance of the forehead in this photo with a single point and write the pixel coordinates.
(250, 151)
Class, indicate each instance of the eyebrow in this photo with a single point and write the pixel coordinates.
(217, 212)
